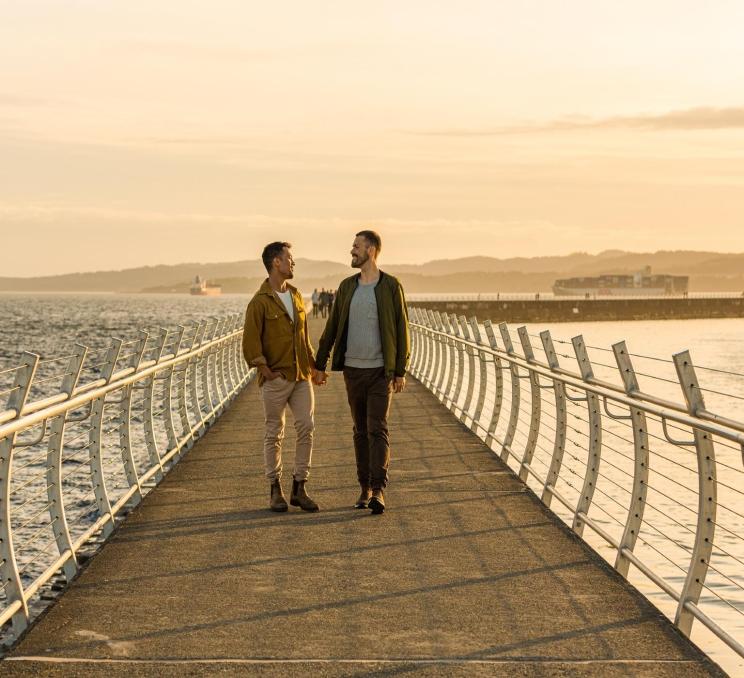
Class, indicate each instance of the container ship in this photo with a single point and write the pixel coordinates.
(201, 288)
(642, 283)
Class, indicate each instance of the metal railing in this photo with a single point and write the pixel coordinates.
(550, 296)
(658, 481)
(84, 437)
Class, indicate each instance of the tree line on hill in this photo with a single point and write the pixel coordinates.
(708, 272)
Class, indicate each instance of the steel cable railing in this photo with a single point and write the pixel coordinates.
(81, 446)
(636, 468)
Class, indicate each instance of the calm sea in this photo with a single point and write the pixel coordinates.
(50, 324)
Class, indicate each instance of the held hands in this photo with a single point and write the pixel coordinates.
(399, 384)
(319, 378)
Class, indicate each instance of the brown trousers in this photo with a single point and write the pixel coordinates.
(369, 392)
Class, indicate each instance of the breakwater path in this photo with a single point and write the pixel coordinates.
(585, 310)
(465, 574)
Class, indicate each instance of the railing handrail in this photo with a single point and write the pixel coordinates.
(38, 410)
(443, 343)
(215, 371)
(666, 409)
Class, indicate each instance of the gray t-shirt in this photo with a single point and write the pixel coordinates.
(363, 343)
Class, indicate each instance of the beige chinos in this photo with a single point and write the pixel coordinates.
(276, 395)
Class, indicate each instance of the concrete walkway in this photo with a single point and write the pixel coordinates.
(465, 574)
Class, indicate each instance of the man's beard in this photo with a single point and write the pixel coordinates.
(359, 260)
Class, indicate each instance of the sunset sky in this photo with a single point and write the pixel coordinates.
(137, 133)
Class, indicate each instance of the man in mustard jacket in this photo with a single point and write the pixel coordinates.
(276, 342)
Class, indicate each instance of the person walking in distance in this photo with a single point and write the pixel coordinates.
(367, 330)
(324, 302)
(315, 298)
(276, 342)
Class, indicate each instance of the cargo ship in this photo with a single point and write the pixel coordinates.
(201, 288)
(642, 283)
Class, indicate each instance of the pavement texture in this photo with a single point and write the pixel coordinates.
(466, 573)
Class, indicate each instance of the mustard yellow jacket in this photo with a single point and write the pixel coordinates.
(270, 337)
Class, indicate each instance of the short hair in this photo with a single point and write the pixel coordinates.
(271, 251)
(373, 238)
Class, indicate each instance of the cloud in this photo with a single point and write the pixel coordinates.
(236, 54)
(15, 101)
(689, 119)
(81, 215)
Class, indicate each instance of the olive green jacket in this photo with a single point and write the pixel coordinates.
(393, 317)
(271, 338)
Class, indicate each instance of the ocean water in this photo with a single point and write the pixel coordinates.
(51, 324)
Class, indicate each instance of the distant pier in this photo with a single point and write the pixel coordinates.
(568, 310)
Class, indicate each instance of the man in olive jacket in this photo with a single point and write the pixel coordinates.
(277, 344)
(368, 333)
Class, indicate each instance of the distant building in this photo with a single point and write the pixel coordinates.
(640, 283)
(201, 288)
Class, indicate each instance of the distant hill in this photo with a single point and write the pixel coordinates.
(708, 271)
(145, 277)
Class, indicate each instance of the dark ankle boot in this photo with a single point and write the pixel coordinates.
(364, 496)
(299, 497)
(377, 501)
(277, 503)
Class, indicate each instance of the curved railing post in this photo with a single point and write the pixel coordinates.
(640, 464)
(561, 421)
(423, 346)
(222, 362)
(219, 383)
(190, 389)
(426, 349)
(235, 354)
(511, 430)
(170, 424)
(413, 318)
(147, 407)
(435, 368)
(536, 400)
(498, 398)
(214, 360)
(205, 358)
(245, 369)
(57, 514)
(482, 374)
(448, 398)
(125, 428)
(95, 447)
(234, 358)
(460, 361)
(595, 438)
(418, 347)
(442, 355)
(193, 372)
(470, 352)
(24, 377)
(707, 497)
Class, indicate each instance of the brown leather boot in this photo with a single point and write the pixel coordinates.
(377, 502)
(299, 497)
(363, 500)
(277, 503)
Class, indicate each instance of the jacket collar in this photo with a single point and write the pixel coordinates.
(379, 280)
(266, 288)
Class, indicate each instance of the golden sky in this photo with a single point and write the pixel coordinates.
(155, 132)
